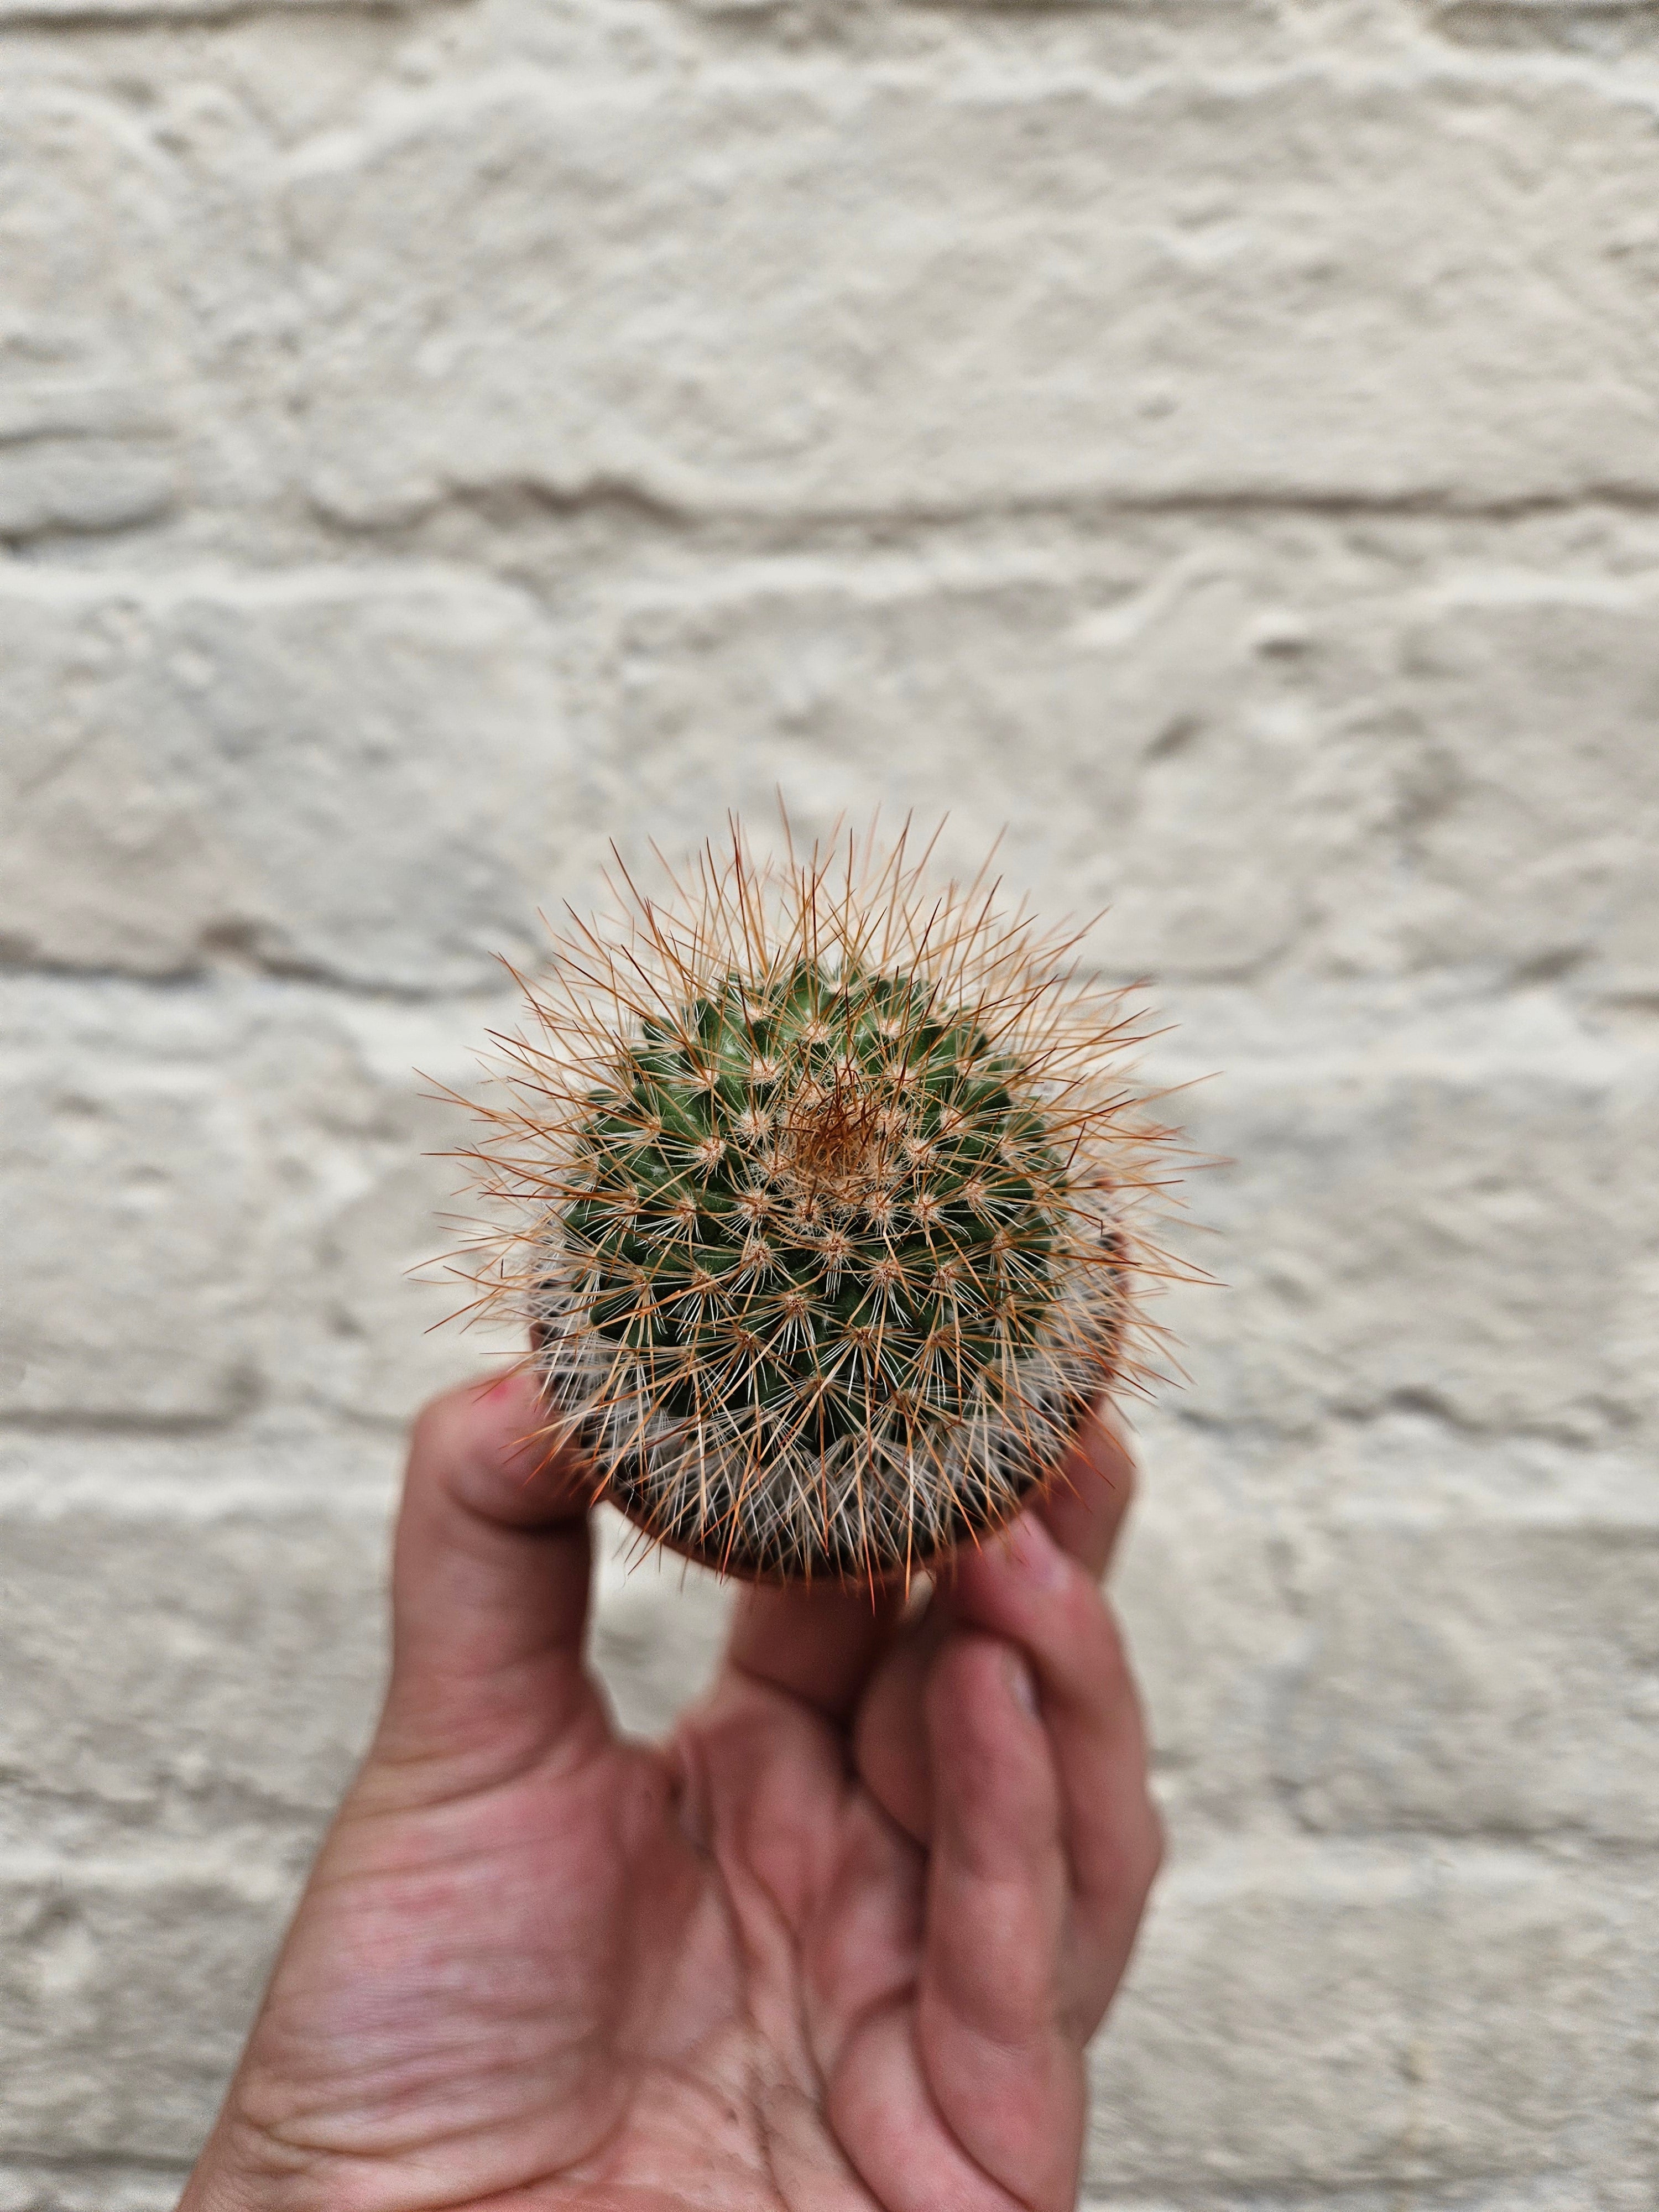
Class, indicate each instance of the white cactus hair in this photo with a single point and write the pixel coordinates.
(825, 1193)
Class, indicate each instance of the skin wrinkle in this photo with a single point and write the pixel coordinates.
(699, 2081)
(784, 1933)
(428, 2138)
(687, 1977)
(1014, 2203)
(544, 1764)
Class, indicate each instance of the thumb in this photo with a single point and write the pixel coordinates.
(490, 1581)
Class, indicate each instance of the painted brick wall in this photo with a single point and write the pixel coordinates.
(1218, 440)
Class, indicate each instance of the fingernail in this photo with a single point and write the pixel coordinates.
(1022, 1683)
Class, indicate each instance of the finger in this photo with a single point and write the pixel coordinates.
(1084, 1509)
(1004, 2074)
(1085, 1506)
(489, 1585)
(890, 1729)
(1025, 1588)
(817, 1641)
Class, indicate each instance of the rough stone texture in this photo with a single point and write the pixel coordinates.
(1522, 1683)
(1238, 818)
(106, 2187)
(349, 776)
(126, 1202)
(1537, 707)
(121, 1989)
(1286, 754)
(1458, 1236)
(1218, 445)
(86, 418)
(823, 292)
(1398, 1977)
(140, 1729)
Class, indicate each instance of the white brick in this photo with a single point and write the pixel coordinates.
(819, 291)
(1409, 1228)
(1133, 725)
(97, 2186)
(1253, 761)
(1301, 2021)
(363, 1298)
(125, 1213)
(294, 1163)
(362, 779)
(188, 1676)
(88, 352)
(1211, 1627)
(66, 12)
(125, 1995)
(1534, 818)
(1479, 1677)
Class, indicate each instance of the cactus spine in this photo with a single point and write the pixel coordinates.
(824, 1184)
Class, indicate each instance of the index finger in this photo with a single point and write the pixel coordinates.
(1085, 1507)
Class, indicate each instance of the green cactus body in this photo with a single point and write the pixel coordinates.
(830, 1256)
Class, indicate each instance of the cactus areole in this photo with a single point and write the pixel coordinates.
(824, 1186)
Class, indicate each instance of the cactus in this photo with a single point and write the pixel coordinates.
(825, 1186)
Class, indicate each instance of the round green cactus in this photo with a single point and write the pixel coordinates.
(827, 1245)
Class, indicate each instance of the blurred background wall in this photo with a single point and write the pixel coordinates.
(1218, 440)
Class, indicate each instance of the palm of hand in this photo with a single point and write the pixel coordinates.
(838, 1944)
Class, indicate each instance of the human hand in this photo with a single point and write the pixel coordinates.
(838, 1944)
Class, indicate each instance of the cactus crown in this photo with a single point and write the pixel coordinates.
(819, 1200)
(823, 1187)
